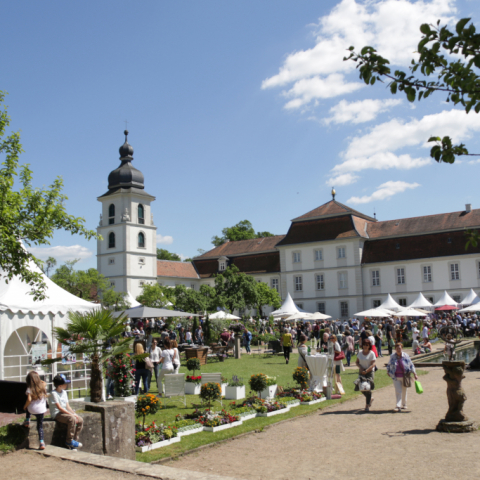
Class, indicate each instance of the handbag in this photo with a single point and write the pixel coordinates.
(407, 380)
(174, 363)
(148, 363)
(418, 387)
(338, 356)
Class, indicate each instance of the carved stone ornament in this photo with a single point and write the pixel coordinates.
(101, 220)
(126, 216)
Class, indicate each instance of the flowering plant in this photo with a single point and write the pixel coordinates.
(146, 405)
(153, 433)
(258, 382)
(210, 392)
(259, 405)
(192, 379)
(237, 327)
(120, 368)
(236, 382)
(301, 394)
(301, 376)
(212, 419)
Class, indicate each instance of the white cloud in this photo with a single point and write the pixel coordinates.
(387, 25)
(61, 253)
(164, 239)
(470, 162)
(384, 191)
(374, 150)
(359, 112)
(342, 180)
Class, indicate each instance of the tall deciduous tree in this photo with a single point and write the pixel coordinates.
(267, 296)
(115, 300)
(452, 57)
(241, 231)
(156, 296)
(28, 216)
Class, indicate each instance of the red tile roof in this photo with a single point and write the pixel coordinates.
(416, 247)
(332, 208)
(427, 224)
(240, 247)
(321, 229)
(168, 268)
(268, 262)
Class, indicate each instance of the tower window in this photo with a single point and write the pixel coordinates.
(111, 214)
(141, 240)
(111, 240)
(141, 214)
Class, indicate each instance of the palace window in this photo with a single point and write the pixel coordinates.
(341, 252)
(298, 284)
(400, 276)
(275, 284)
(318, 255)
(344, 309)
(376, 303)
(141, 240)
(111, 214)
(296, 257)
(141, 214)
(319, 281)
(342, 280)
(111, 261)
(375, 278)
(321, 307)
(402, 302)
(111, 240)
(454, 271)
(427, 274)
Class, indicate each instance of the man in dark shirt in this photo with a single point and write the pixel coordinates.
(389, 330)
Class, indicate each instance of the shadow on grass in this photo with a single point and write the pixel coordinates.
(425, 431)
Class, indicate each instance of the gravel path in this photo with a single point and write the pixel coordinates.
(346, 442)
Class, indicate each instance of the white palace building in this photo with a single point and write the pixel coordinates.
(333, 259)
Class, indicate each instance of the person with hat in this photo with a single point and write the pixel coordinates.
(61, 411)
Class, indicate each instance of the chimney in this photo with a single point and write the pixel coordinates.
(468, 207)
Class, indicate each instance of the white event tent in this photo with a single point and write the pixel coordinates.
(131, 300)
(223, 316)
(446, 299)
(390, 304)
(287, 309)
(420, 302)
(471, 298)
(25, 322)
(375, 313)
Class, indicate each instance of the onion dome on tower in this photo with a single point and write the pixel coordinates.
(126, 175)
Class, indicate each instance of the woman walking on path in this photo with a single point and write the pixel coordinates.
(287, 344)
(366, 371)
(378, 340)
(399, 369)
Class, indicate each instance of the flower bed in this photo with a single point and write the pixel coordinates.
(264, 408)
(289, 401)
(305, 397)
(187, 427)
(213, 421)
(154, 436)
(245, 413)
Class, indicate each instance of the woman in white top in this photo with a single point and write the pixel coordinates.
(366, 368)
(155, 355)
(176, 356)
(302, 351)
(167, 363)
(188, 336)
(337, 363)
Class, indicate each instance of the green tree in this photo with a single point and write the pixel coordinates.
(235, 289)
(452, 57)
(86, 284)
(28, 216)
(163, 254)
(189, 300)
(241, 231)
(156, 296)
(266, 296)
(90, 334)
(49, 264)
(116, 301)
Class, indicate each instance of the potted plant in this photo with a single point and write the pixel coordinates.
(214, 422)
(210, 392)
(120, 369)
(301, 375)
(154, 436)
(235, 389)
(192, 382)
(187, 427)
(266, 387)
(146, 405)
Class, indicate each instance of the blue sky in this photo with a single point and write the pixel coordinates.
(235, 110)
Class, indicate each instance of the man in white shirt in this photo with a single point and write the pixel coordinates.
(415, 332)
(425, 331)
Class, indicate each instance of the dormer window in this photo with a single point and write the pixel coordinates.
(111, 214)
(141, 214)
(222, 264)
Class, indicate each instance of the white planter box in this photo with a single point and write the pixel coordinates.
(314, 401)
(293, 404)
(222, 427)
(190, 431)
(224, 386)
(192, 388)
(269, 392)
(153, 446)
(130, 398)
(234, 393)
(249, 416)
(276, 412)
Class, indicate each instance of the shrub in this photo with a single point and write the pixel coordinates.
(146, 405)
(120, 369)
(210, 392)
(258, 382)
(301, 376)
(193, 364)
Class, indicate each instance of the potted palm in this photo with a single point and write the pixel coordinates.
(91, 334)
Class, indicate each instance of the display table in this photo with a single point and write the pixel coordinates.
(318, 369)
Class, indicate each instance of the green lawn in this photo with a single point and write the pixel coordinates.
(246, 366)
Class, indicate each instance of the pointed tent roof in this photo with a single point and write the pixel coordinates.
(16, 297)
(390, 304)
(129, 298)
(287, 309)
(446, 299)
(471, 298)
(374, 313)
(420, 302)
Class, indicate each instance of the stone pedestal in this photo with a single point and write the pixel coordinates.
(455, 420)
(238, 346)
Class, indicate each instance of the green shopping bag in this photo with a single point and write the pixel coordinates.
(418, 387)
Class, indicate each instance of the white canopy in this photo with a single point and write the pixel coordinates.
(129, 298)
(319, 316)
(16, 297)
(287, 309)
(420, 302)
(411, 312)
(374, 313)
(223, 316)
(472, 308)
(471, 298)
(390, 304)
(445, 300)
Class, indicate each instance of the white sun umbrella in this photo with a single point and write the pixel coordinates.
(471, 298)
(420, 302)
(411, 312)
(390, 304)
(472, 308)
(445, 300)
(223, 316)
(374, 313)
(299, 316)
(319, 316)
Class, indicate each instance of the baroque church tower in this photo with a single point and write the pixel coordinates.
(127, 254)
